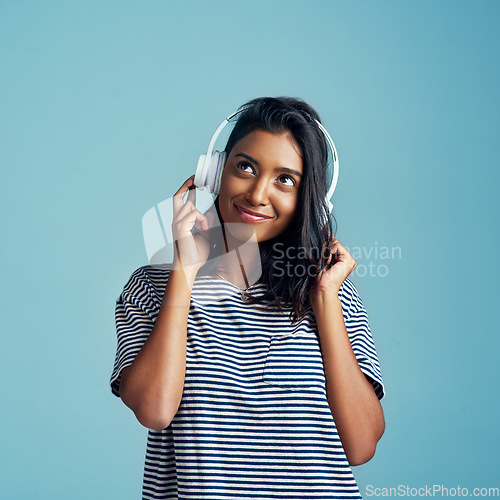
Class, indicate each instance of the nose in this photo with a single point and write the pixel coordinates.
(257, 193)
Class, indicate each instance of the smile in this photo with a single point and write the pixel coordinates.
(251, 216)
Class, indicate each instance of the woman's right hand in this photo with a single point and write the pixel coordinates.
(190, 250)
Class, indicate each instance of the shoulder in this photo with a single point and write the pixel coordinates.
(151, 274)
(349, 297)
(155, 275)
(146, 285)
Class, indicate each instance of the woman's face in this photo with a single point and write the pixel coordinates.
(260, 184)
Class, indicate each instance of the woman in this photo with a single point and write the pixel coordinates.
(255, 380)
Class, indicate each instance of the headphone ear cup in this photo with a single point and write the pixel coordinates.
(214, 171)
(209, 171)
(219, 159)
(200, 178)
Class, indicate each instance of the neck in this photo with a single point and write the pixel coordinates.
(240, 264)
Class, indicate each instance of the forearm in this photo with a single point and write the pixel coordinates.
(152, 385)
(354, 405)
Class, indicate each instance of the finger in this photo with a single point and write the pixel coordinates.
(200, 221)
(184, 210)
(325, 255)
(333, 248)
(342, 254)
(178, 198)
(185, 225)
(341, 250)
(205, 223)
(192, 194)
(185, 186)
(331, 253)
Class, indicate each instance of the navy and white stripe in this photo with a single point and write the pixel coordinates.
(254, 421)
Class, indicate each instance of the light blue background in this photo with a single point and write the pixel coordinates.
(104, 109)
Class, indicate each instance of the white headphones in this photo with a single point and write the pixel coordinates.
(210, 166)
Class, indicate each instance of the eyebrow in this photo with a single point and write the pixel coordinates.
(279, 169)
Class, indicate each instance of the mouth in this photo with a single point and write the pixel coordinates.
(250, 216)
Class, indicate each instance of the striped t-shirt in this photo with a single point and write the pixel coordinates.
(254, 421)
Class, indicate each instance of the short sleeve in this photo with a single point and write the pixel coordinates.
(135, 315)
(358, 330)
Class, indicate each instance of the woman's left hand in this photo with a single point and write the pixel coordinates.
(333, 277)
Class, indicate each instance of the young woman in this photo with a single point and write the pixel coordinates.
(255, 371)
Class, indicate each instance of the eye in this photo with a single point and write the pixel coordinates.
(289, 178)
(243, 165)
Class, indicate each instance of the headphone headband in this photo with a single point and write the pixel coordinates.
(219, 130)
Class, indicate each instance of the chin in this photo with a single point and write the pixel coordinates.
(241, 231)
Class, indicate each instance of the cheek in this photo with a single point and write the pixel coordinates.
(228, 185)
(288, 207)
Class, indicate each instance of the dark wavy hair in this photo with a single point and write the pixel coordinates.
(301, 246)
